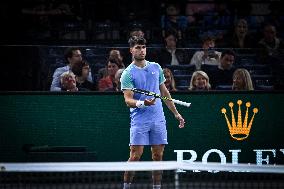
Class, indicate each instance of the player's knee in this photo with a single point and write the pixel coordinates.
(157, 156)
(135, 157)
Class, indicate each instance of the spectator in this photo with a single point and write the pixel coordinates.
(136, 32)
(171, 55)
(221, 16)
(107, 83)
(241, 38)
(81, 70)
(173, 21)
(242, 80)
(170, 80)
(199, 81)
(222, 74)
(207, 55)
(270, 45)
(68, 82)
(117, 79)
(195, 11)
(114, 55)
(73, 56)
(48, 18)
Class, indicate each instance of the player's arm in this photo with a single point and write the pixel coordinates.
(128, 98)
(164, 92)
(132, 103)
(126, 86)
(170, 104)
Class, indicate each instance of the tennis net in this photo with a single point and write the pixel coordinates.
(109, 175)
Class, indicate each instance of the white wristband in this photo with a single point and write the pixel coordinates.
(140, 104)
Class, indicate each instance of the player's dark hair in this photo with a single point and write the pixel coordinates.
(136, 40)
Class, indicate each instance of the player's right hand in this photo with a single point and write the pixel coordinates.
(181, 120)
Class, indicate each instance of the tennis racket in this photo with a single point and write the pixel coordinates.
(148, 93)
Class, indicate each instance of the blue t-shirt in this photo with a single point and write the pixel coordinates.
(147, 78)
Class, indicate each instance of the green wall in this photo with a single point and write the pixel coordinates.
(101, 123)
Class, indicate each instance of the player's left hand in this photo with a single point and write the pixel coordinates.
(150, 102)
(181, 120)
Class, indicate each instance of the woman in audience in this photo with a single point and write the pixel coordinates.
(199, 82)
(116, 55)
(107, 83)
(81, 70)
(242, 80)
(68, 82)
(241, 37)
(170, 81)
(117, 79)
(113, 55)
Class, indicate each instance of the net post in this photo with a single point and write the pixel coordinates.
(177, 179)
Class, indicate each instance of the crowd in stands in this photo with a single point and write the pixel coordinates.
(201, 45)
(208, 69)
(83, 21)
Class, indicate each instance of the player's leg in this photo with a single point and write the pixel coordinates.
(158, 140)
(157, 155)
(139, 136)
(136, 152)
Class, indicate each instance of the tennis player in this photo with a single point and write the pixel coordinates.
(148, 124)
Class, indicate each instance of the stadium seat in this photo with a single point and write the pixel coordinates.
(182, 81)
(263, 82)
(258, 69)
(181, 67)
(182, 88)
(182, 72)
(264, 87)
(245, 59)
(224, 87)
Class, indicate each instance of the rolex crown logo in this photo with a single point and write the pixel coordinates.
(241, 129)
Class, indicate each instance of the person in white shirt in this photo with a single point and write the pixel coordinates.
(73, 56)
(207, 55)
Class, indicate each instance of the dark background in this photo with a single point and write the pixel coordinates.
(31, 45)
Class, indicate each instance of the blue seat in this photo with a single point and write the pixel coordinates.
(224, 87)
(245, 59)
(260, 81)
(257, 69)
(96, 67)
(264, 87)
(209, 68)
(182, 88)
(181, 67)
(182, 83)
(97, 51)
(182, 72)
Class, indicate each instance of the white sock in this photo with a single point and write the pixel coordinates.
(156, 186)
(126, 185)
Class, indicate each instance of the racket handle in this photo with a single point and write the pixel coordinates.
(181, 103)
